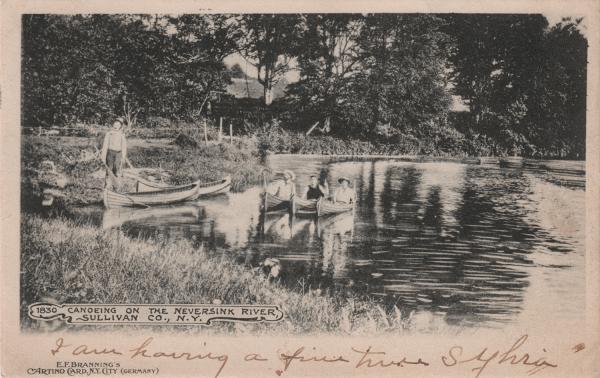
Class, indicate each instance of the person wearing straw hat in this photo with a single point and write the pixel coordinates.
(114, 151)
(344, 193)
(287, 188)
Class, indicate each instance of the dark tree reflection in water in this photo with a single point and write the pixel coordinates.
(468, 244)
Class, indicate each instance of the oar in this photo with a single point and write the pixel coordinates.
(292, 205)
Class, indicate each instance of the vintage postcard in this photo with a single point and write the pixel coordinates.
(300, 189)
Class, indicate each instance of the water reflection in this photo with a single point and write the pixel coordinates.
(475, 245)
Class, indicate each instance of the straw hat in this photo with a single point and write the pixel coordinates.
(343, 178)
(289, 174)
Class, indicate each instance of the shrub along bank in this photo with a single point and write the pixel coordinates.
(439, 142)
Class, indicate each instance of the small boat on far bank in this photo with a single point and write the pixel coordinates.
(168, 196)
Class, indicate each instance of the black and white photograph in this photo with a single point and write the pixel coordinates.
(343, 174)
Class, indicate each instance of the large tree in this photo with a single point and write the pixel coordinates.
(370, 70)
(84, 68)
(266, 43)
(327, 54)
(196, 71)
(556, 119)
(403, 80)
(67, 74)
(524, 83)
(497, 61)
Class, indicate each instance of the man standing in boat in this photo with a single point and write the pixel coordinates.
(315, 189)
(287, 188)
(344, 193)
(114, 152)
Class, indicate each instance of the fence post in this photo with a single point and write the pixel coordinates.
(230, 133)
(220, 128)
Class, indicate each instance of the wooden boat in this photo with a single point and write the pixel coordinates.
(205, 189)
(158, 197)
(303, 206)
(214, 187)
(271, 202)
(319, 208)
(329, 208)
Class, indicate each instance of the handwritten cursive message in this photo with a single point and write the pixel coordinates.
(515, 356)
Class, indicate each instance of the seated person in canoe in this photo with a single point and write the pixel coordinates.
(287, 188)
(315, 189)
(344, 193)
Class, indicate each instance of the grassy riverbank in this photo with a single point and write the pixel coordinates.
(77, 158)
(67, 262)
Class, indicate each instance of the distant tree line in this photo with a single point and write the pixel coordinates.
(524, 81)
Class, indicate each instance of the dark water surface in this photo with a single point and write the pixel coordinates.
(465, 244)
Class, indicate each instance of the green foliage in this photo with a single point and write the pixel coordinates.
(524, 83)
(403, 82)
(84, 68)
(367, 71)
(327, 54)
(265, 42)
(439, 140)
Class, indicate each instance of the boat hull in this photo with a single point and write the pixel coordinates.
(205, 189)
(154, 198)
(303, 206)
(214, 188)
(271, 203)
(321, 207)
(330, 208)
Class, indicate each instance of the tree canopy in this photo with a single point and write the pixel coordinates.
(365, 75)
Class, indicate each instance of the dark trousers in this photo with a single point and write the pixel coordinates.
(113, 161)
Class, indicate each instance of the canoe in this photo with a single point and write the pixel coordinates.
(214, 187)
(271, 202)
(303, 206)
(328, 208)
(174, 194)
(319, 208)
(205, 189)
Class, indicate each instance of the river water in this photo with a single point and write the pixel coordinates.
(468, 245)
